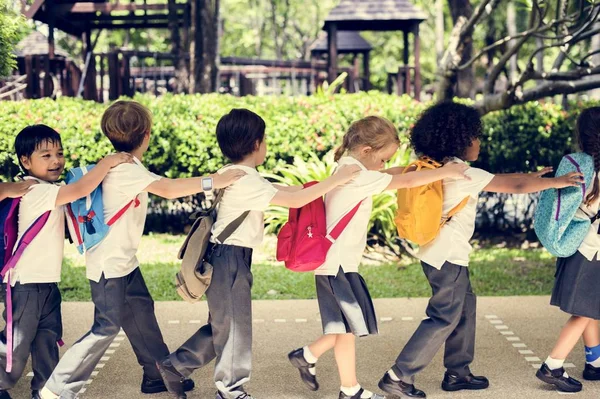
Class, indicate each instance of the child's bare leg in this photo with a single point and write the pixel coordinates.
(591, 334)
(322, 345)
(569, 336)
(345, 357)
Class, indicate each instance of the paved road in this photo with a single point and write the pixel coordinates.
(514, 334)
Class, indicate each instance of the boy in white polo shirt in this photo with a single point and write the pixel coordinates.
(37, 324)
(119, 292)
(449, 132)
(228, 334)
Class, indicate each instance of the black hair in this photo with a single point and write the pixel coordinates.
(445, 130)
(588, 137)
(32, 138)
(238, 132)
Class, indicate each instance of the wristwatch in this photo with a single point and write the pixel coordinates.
(207, 184)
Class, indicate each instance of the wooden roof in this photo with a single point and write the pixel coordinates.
(76, 17)
(375, 15)
(36, 43)
(347, 42)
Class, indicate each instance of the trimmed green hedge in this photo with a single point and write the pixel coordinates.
(184, 143)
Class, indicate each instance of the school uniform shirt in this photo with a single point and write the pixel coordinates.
(452, 244)
(115, 255)
(591, 243)
(41, 261)
(348, 249)
(250, 193)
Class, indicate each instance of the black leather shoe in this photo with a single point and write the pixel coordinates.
(453, 383)
(557, 378)
(358, 395)
(173, 379)
(4, 395)
(35, 394)
(242, 396)
(150, 386)
(399, 388)
(591, 373)
(297, 359)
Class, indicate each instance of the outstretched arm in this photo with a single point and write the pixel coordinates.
(530, 183)
(15, 190)
(176, 188)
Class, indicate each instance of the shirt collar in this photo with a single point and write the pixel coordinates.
(38, 180)
(347, 160)
(247, 169)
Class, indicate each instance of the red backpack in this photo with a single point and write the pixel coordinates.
(303, 242)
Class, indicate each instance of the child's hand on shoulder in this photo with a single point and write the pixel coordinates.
(230, 176)
(455, 170)
(117, 159)
(18, 189)
(347, 173)
(572, 179)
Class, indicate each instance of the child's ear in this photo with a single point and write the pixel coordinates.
(26, 162)
(366, 150)
(257, 145)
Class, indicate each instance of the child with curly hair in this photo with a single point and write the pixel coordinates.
(449, 132)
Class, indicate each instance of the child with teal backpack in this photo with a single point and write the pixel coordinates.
(578, 267)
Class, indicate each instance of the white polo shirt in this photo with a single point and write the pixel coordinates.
(591, 243)
(41, 262)
(348, 249)
(115, 255)
(452, 244)
(250, 193)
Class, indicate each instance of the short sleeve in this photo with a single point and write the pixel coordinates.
(41, 198)
(251, 192)
(479, 180)
(370, 182)
(132, 178)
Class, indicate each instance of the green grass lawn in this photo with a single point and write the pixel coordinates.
(494, 271)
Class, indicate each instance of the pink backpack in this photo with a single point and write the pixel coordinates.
(12, 250)
(303, 242)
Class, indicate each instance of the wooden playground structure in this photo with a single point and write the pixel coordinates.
(47, 71)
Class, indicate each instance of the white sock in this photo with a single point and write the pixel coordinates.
(309, 357)
(595, 363)
(45, 393)
(350, 391)
(554, 364)
(393, 375)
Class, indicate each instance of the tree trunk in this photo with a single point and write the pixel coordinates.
(595, 59)
(181, 73)
(204, 49)
(511, 27)
(465, 84)
(439, 30)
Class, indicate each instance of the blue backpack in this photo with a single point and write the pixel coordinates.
(85, 216)
(555, 224)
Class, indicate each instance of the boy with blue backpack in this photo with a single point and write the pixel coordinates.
(33, 227)
(119, 292)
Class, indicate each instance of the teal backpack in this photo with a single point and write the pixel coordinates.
(554, 220)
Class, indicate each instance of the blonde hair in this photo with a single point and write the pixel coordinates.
(372, 131)
(125, 123)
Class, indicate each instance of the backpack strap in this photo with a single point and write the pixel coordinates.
(22, 244)
(342, 224)
(121, 212)
(232, 227)
(454, 211)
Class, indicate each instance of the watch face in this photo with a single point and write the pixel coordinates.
(207, 184)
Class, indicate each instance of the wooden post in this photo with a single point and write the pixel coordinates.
(406, 69)
(417, 51)
(51, 23)
(125, 81)
(30, 89)
(101, 93)
(366, 72)
(47, 82)
(332, 52)
(89, 84)
(113, 75)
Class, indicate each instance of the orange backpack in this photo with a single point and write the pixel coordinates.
(419, 218)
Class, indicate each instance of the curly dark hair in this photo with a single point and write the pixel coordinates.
(445, 130)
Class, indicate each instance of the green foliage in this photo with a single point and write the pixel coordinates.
(10, 24)
(301, 132)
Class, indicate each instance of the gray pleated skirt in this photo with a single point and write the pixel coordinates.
(576, 286)
(345, 304)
